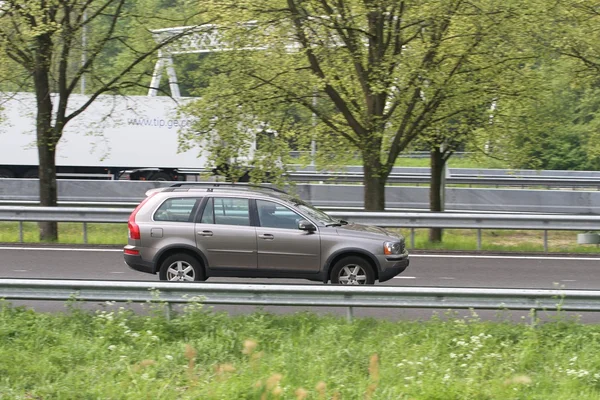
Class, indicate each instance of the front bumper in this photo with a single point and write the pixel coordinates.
(390, 266)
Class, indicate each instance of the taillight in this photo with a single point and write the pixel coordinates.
(134, 229)
(131, 252)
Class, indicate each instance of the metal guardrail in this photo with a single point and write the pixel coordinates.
(470, 180)
(302, 295)
(477, 221)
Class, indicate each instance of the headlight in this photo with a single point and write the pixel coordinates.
(390, 248)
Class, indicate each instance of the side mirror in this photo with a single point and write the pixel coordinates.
(304, 225)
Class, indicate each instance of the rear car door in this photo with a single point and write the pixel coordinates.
(225, 234)
(280, 244)
(172, 223)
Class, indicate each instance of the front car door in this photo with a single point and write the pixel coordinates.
(225, 234)
(281, 245)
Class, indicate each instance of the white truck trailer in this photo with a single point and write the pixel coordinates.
(116, 136)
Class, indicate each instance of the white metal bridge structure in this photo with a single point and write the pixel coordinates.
(205, 39)
(192, 40)
(197, 40)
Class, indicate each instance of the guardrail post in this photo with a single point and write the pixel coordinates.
(545, 240)
(479, 239)
(168, 311)
(533, 315)
(412, 238)
(85, 236)
(20, 231)
(350, 314)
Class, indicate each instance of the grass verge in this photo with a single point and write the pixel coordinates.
(116, 354)
(454, 239)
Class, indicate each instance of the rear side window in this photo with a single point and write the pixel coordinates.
(178, 209)
(226, 211)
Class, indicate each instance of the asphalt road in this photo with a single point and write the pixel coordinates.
(446, 270)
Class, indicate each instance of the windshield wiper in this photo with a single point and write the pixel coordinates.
(340, 222)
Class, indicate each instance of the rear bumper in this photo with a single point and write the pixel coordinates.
(135, 262)
(392, 266)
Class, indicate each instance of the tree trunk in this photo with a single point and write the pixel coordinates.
(374, 182)
(435, 191)
(48, 190)
(46, 137)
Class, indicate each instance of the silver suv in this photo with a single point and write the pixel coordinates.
(189, 232)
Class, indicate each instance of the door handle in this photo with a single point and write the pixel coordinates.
(267, 236)
(205, 233)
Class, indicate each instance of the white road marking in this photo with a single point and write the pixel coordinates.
(446, 277)
(20, 270)
(405, 277)
(58, 249)
(117, 272)
(596, 259)
(568, 280)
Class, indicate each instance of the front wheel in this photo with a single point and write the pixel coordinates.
(352, 270)
(181, 267)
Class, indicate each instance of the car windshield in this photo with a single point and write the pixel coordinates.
(313, 212)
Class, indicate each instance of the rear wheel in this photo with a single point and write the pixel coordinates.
(352, 270)
(181, 267)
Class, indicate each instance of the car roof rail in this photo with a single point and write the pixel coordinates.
(217, 185)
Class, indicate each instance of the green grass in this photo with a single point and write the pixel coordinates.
(453, 162)
(204, 355)
(70, 233)
(454, 239)
(501, 240)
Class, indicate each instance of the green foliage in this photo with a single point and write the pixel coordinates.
(550, 118)
(116, 354)
(366, 77)
(554, 126)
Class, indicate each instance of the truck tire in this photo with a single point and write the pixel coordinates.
(161, 176)
(31, 173)
(6, 173)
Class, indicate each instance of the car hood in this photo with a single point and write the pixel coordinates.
(370, 231)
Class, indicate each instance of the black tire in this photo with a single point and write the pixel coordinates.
(6, 173)
(31, 173)
(181, 267)
(352, 270)
(160, 176)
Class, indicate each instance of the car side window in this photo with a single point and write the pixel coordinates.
(227, 211)
(274, 215)
(177, 209)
